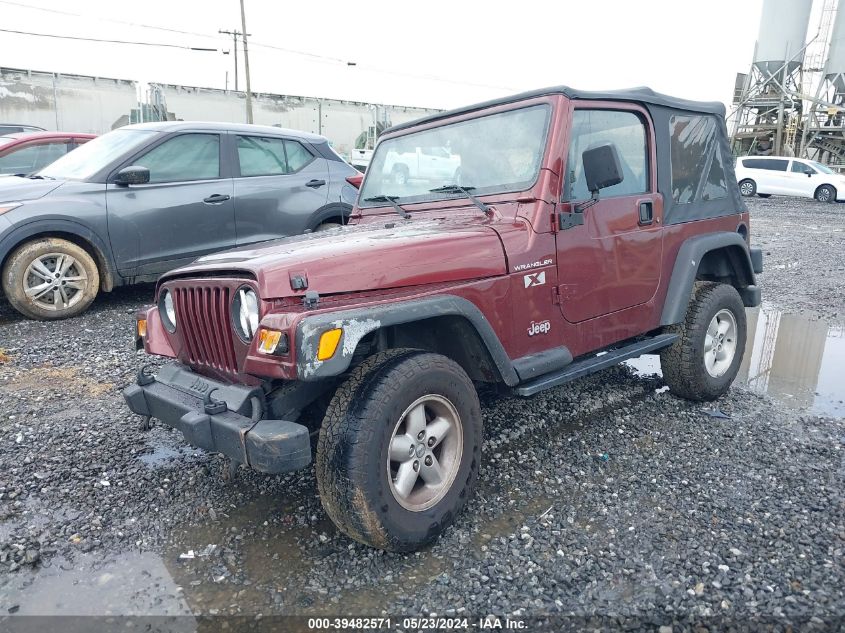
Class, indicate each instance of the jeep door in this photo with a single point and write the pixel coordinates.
(185, 211)
(613, 260)
(279, 184)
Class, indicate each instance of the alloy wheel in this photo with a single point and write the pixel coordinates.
(425, 453)
(720, 343)
(55, 281)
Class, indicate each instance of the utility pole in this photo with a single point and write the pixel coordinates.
(236, 34)
(246, 67)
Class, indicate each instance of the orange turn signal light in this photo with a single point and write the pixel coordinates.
(142, 328)
(328, 343)
(268, 341)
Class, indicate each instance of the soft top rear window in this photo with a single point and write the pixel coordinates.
(698, 173)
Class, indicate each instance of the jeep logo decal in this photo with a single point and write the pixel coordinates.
(542, 327)
(199, 385)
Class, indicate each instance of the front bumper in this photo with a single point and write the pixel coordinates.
(218, 417)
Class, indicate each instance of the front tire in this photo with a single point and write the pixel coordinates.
(826, 193)
(703, 363)
(399, 449)
(50, 279)
(747, 188)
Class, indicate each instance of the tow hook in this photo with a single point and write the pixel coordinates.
(213, 406)
(145, 376)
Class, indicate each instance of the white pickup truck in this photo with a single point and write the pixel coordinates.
(360, 159)
(426, 163)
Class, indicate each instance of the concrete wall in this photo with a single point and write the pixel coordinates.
(340, 121)
(71, 103)
(78, 103)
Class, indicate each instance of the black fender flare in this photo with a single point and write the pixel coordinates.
(103, 254)
(334, 210)
(686, 267)
(356, 323)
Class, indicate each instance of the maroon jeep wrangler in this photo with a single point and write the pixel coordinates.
(536, 239)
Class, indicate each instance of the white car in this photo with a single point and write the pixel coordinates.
(423, 163)
(783, 175)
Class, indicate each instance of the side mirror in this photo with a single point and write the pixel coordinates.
(809, 172)
(602, 168)
(132, 175)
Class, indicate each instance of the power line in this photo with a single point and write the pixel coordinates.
(88, 17)
(314, 56)
(95, 39)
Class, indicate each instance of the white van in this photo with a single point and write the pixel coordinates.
(782, 175)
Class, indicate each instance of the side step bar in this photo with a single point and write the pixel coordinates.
(593, 364)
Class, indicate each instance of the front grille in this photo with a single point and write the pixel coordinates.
(202, 315)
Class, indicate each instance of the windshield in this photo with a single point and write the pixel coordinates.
(497, 153)
(822, 168)
(83, 163)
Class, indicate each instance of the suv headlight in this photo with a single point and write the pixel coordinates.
(8, 206)
(167, 310)
(245, 313)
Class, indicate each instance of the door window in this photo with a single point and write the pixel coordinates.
(801, 168)
(627, 132)
(182, 158)
(298, 156)
(32, 157)
(262, 156)
(269, 156)
(770, 164)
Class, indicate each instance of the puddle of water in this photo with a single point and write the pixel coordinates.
(795, 359)
(126, 584)
(163, 455)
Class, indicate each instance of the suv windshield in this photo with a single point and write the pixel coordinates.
(88, 159)
(497, 153)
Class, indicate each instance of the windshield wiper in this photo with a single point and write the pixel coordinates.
(392, 200)
(464, 190)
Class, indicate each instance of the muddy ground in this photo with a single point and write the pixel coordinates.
(606, 498)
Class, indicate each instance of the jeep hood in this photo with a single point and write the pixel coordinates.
(363, 257)
(17, 189)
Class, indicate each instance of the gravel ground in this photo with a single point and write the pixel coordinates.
(608, 500)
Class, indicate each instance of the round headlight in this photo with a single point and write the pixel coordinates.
(245, 313)
(167, 310)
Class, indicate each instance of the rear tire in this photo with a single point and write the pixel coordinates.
(399, 449)
(747, 188)
(703, 363)
(50, 279)
(826, 193)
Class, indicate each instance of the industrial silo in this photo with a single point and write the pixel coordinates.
(835, 68)
(781, 40)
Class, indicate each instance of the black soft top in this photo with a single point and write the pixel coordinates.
(641, 94)
(698, 182)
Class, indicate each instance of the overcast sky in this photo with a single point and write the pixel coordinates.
(431, 53)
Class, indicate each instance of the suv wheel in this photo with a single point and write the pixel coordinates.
(748, 187)
(50, 279)
(703, 363)
(399, 449)
(826, 193)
